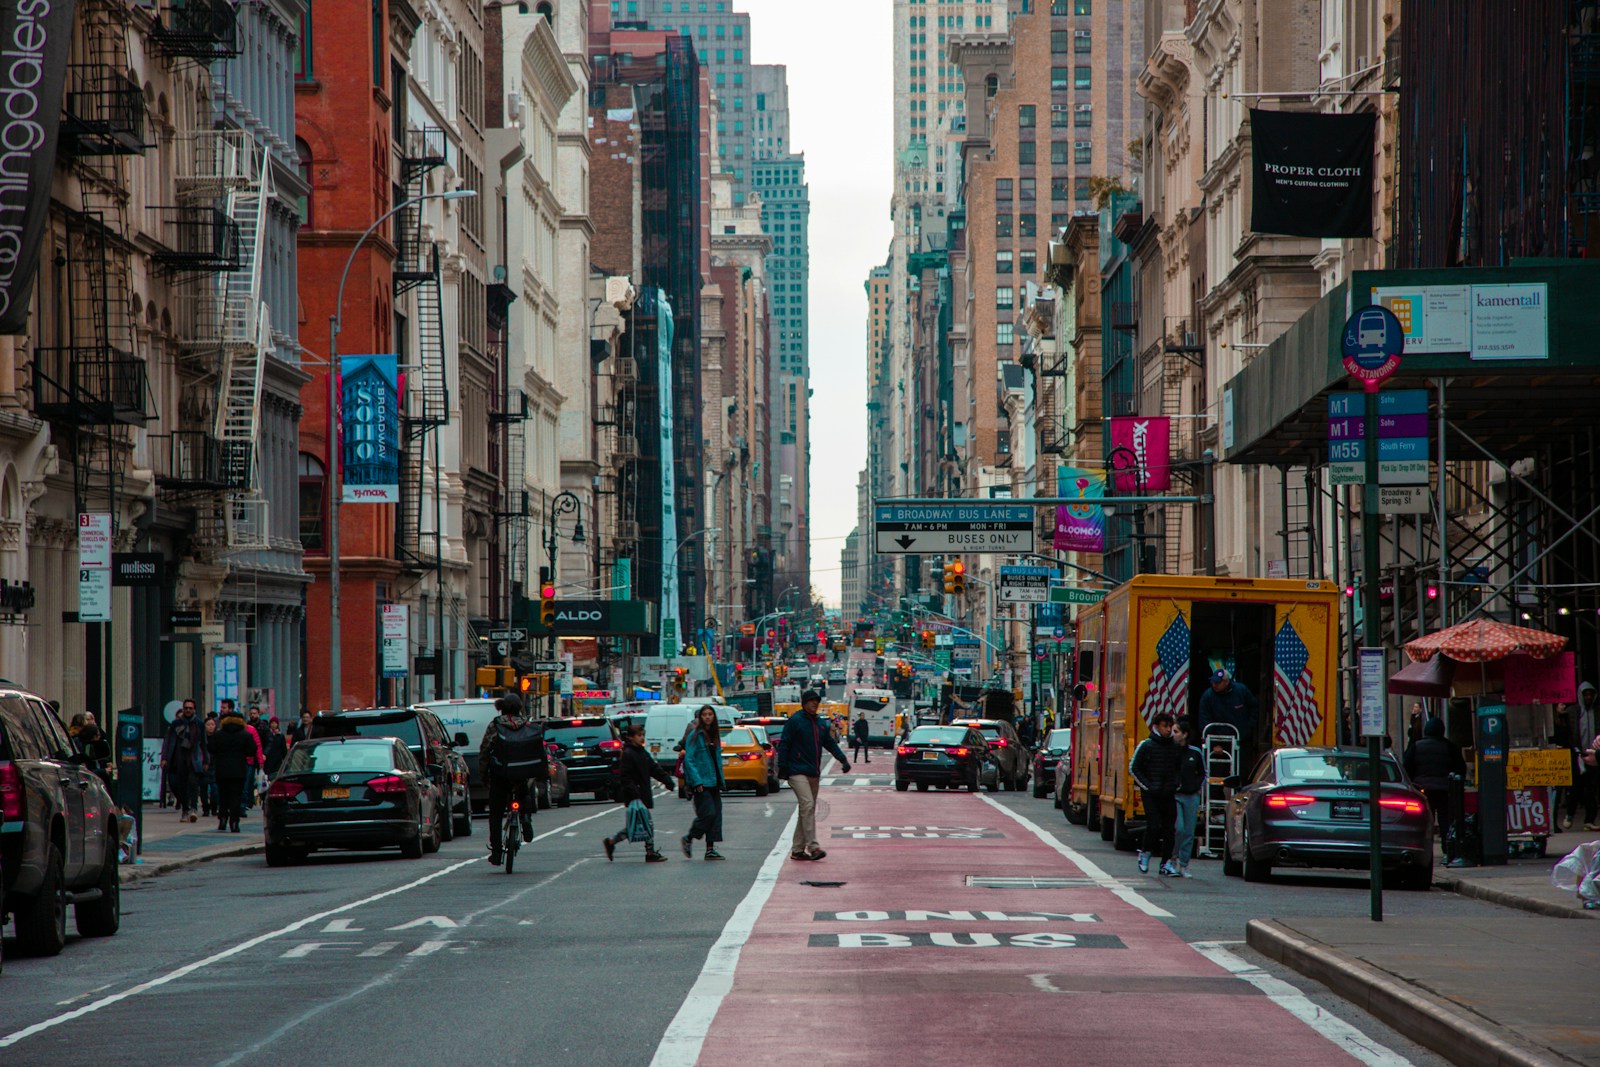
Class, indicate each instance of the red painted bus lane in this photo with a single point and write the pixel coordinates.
(910, 961)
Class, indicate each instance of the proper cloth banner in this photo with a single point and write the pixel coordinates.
(370, 428)
(1146, 465)
(35, 36)
(1312, 173)
(1080, 527)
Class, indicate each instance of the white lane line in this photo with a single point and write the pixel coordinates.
(680, 1045)
(1296, 1003)
(1084, 863)
(244, 946)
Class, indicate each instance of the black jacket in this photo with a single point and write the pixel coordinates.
(637, 767)
(1191, 770)
(1432, 760)
(1235, 706)
(861, 730)
(277, 748)
(232, 749)
(1155, 765)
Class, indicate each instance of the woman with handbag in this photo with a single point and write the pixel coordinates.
(702, 767)
(637, 767)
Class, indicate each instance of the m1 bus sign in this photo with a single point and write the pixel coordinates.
(1371, 344)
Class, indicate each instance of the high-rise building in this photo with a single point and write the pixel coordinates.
(771, 102)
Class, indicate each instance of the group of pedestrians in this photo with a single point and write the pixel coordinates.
(1171, 772)
(215, 766)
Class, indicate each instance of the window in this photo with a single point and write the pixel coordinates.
(1002, 261)
(1083, 116)
(1027, 224)
(1027, 153)
(380, 38)
(1060, 188)
(722, 54)
(1082, 152)
(1058, 117)
(1082, 77)
(1058, 79)
(1058, 153)
(1027, 190)
(1080, 188)
(303, 69)
(1027, 262)
(1025, 116)
(1080, 7)
(1002, 189)
(1002, 225)
(303, 206)
(312, 502)
(1004, 298)
(1058, 221)
(991, 85)
(1058, 41)
(1002, 333)
(1082, 42)
(722, 80)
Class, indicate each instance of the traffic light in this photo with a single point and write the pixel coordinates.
(955, 577)
(927, 639)
(525, 685)
(547, 599)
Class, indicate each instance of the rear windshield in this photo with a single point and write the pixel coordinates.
(1333, 768)
(1059, 739)
(939, 735)
(333, 756)
(862, 703)
(403, 727)
(578, 736)
(988, 731)
(738, 736)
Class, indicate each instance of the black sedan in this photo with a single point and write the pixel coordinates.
(589, 748)
(355, 793)
(947, 756)
(1055, 748)
(1308, 807)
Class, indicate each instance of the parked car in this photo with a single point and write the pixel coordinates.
(467, 717)
(424, 734)
(1009, 751)
(1063, 784)
(58, 839)
(950, 757)
(1053, 751)
(588, 748)
(744, 760)
(554, 792)
(357, 793)
(1308, 807)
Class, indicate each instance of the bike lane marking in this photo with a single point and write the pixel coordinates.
(905, 950)
(244, 946)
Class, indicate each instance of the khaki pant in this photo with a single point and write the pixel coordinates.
(805, 830)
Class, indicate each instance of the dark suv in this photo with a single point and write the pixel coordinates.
(589, 747)
(424, 735)
(58, 841)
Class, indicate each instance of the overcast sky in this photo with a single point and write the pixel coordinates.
(840, 60)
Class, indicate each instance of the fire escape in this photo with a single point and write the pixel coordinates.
(416, 268)
(92, 383)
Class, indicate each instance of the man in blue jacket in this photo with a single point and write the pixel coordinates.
(800, 747)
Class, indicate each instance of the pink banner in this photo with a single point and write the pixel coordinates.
(1080, 527)
(1147, 470)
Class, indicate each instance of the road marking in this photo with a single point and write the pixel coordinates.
(1296, 1003)
(443, 922)
(680, 1045)
(1042, 983)
(379, 949)
(570, 833)
(342, 926)
(1084, 863)
(83, 995)
(244, 946)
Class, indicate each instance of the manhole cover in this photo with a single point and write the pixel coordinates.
(1031, 881)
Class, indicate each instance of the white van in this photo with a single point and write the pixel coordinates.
(665, 725)
(470, 716)
(786, 694)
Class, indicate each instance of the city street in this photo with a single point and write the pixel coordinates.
(367, 960)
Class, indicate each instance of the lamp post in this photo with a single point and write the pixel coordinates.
(1134, 466)
(669, 589)
(335, 475)
(565, 502)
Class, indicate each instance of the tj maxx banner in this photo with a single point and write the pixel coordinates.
(1146, 465)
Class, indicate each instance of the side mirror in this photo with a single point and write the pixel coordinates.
(1080, 692)
(460, 739)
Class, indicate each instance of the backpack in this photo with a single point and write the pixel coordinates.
(519, 751)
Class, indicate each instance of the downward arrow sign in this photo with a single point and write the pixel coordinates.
(905, 542)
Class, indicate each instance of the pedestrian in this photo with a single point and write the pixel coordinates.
(702, 775)
(1186, 802)
(85, 730)
(301, 730)
(1154, 768)
(1228, 702)
(800, 747)
(1586, 786)
(183, 755)
(1429, 762)
(637, 767)
(208, 780)
(858, 738)
(1414, 723)
(258, 761)
(277, 747)
(233, 747)
(513, 752)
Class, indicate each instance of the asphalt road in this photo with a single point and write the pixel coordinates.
(376, 959)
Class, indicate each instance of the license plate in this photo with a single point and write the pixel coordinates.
(336, 793)
(930, 755)
(655, 748)
(580, 752)
(1347, 809)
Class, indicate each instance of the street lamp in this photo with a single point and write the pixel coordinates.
(669, 587)
(1134, 466)
(565, 502)
(336, 460)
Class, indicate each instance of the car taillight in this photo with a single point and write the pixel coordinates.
(1410, 807)
(1000, 742)
(904, 750)
(611, 746)
(387, 784)
(1288, 800)
(10, 792)
(749, 755)
(284, 790)
(962, 751)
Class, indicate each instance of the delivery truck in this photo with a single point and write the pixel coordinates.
(1153, 645)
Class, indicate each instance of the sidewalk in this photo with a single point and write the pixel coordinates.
(168, 844)
(1521, 883)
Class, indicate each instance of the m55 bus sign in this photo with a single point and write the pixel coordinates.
(937, 529)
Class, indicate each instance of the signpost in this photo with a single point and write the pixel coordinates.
(953, 528)
(396, 631)
(1065, 594)
(1025, 585)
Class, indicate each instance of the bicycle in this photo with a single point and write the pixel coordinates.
(511, 832)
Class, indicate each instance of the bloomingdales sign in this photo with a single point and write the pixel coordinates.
(1313, 173)
(34, 40)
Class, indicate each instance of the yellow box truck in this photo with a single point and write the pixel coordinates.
(1153, 644)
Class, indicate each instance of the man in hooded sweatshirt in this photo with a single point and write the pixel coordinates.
(1430, 761)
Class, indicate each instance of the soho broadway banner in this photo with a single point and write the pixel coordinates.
(1145, 467)
(370, 429)
(1313, 173)
(35, 36)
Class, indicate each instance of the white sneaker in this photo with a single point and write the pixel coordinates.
(1144, 863)
(1183, 872)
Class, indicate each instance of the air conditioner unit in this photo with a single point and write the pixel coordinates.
(627, 369)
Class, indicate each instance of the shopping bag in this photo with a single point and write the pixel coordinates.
(1579, 871)
(640, 826)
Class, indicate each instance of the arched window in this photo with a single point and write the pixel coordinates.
(313, 503)
(303, 152)
(547, 9)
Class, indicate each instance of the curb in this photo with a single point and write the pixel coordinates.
(1424, 1019)
(130, 873)
(1477, 890)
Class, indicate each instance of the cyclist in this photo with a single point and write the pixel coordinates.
(513, 752)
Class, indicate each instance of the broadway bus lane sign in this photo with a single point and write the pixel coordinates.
(937, 529)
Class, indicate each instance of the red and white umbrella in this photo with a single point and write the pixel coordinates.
(1484, 640)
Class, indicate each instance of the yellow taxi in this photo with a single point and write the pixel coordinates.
(833, 712)
(744, 760)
